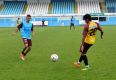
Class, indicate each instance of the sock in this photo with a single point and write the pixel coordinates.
(23, 53)
(85, 60)
(81, 58)
(26, 51)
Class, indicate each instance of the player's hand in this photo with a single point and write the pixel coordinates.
(33, 33)
(101, 35)
(15, 32)
(81, 48)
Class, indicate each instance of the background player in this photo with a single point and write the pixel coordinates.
(72, 23)
(89, 35)
(26, 27)
(18, 21)
(43, 22)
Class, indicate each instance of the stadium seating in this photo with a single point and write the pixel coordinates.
(88, 6)
(38, 8)
(12, 8)
(62, 6)
(111, 6)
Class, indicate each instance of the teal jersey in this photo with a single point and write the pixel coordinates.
(26, 30)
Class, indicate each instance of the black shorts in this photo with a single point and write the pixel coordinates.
(71, 24)
(86, 47)
(27, 41)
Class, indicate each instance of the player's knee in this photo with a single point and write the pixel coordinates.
(83, 52)
(26, 45)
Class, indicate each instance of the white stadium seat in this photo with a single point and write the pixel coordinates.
(38, 7)
(88, 6)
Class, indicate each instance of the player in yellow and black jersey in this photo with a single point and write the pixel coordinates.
(89, 35)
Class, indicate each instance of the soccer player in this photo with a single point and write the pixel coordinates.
(18, 21)
(26, 28)
(89, 35)
(72, 23)
(43, 22)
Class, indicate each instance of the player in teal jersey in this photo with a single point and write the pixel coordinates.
(26, 28)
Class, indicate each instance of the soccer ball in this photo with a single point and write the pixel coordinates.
(54, 57)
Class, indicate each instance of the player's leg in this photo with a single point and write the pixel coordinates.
(73, 26)
(85, 59)
(25, 41)
(77, 63)
(86, 47)
(83, 56)
(43, 24)
(70, 26)
(24, 49)
(86, 63)
(29, 47)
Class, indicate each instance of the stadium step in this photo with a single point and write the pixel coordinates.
(1, 7)
(25, 8)
(103, 6)
(50, 9)
(76, 7)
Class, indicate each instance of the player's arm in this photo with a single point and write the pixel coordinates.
(83, 37)
(84, 33)
(19, 27)
(100, 29)
(32, 29)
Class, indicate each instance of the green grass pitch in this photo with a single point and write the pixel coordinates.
(65, 43)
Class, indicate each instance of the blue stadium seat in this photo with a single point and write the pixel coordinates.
(62, 6)
(13, 8)
(110, 6)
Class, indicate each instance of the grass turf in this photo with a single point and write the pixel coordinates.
(65, 43)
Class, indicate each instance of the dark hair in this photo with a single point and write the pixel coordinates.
(87, 17)
(28, 15)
